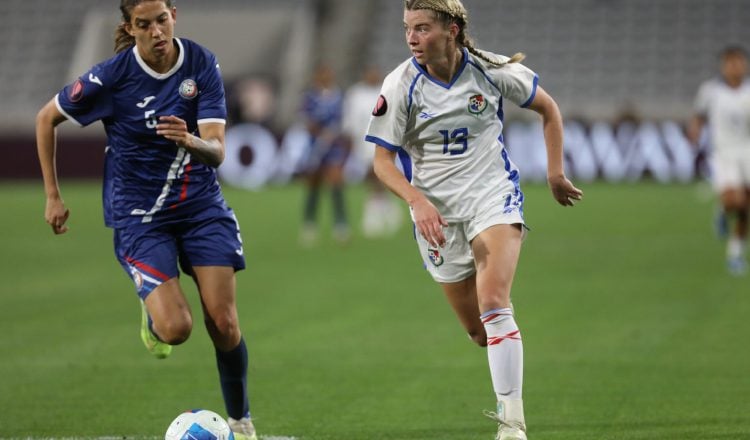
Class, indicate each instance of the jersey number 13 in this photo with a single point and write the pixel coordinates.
(455, 142)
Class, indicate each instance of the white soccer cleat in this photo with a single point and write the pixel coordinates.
(243, 428)
(510, 420)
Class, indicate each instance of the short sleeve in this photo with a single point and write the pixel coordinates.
(389, 117)
(212, 100)
(701, 104)
(86, 100)
(517, 83)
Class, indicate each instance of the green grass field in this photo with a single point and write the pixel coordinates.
(632, 327)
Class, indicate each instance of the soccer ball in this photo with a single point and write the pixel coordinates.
(199, 424)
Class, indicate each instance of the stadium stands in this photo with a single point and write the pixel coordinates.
(597, 57)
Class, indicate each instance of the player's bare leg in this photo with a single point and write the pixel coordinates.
(735, 201)
(166, 318)
(217, 286)
(496, 252)
(462, 296)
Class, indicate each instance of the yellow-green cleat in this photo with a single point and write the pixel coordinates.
(154, 346)
(243, 428)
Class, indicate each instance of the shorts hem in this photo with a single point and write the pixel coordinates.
(458, 278)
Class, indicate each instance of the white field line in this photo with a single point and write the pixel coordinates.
(128, 437)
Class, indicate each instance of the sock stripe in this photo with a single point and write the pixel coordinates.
(514, 335)
(492, 314)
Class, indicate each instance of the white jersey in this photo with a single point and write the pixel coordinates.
(453, 132)
(358, 103)
(727, 111)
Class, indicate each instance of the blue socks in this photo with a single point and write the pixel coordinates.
(233, 377)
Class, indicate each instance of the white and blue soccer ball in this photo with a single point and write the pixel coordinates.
(199, 424)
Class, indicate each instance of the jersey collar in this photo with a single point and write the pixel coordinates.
(154, 73)
(464, 61)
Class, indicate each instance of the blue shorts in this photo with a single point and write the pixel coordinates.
(321, 156)
(149, 253)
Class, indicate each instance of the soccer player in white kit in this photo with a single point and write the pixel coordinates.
(444, 108)
(723, 104)
(380, 215)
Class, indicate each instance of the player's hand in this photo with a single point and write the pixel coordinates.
(563, 190)
(174, 129)
(56, 215)
(429, 222)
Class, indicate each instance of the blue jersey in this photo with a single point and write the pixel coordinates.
(148, 178)
(323, 108)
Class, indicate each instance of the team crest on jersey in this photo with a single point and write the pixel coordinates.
(380, 107)
(477, 104)
(188, 89)
(137, 278)
(76, 91)
(435, 257)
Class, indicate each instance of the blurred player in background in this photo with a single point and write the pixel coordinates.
(444, 107)
(381, 216)
(161, 100)
(723, 106)
(327, 153)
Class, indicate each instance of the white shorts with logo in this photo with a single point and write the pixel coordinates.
(731, 169)
(455, 261)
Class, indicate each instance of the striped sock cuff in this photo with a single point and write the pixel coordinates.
(491, 315)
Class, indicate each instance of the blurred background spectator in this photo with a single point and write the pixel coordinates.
(598, 58)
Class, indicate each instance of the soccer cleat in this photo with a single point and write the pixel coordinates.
(156, 347)
(510, 420)
(243, 428)
(341, 233)
(308, 235)
(737, 266)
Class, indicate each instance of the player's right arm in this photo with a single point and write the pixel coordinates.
(695, 128)
(48, 118)
(427, 219)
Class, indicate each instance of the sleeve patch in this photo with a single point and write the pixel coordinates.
(76, 91)
(380, 107)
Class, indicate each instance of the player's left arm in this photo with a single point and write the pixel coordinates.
(208, 148)
(562, 189)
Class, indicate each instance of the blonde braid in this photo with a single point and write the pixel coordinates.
(453, 11)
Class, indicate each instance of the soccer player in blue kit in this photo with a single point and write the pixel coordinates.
(327, 153)
(161, 100)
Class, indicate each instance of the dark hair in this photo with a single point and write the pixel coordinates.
(123, 39)
(733, 51)
(453, 11)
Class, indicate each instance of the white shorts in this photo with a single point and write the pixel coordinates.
(455, 261)
(731, 169)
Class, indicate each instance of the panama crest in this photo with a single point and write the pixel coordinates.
(188, 89)
(477, 104)
(435, 256)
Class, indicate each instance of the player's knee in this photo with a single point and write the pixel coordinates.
(479, 337)
(224, 325)
(175, 331)
(733, 201)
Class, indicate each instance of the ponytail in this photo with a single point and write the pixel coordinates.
(123, 39)
(516, 58)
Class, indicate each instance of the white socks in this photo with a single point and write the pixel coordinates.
(505, 353)
(735, 247)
